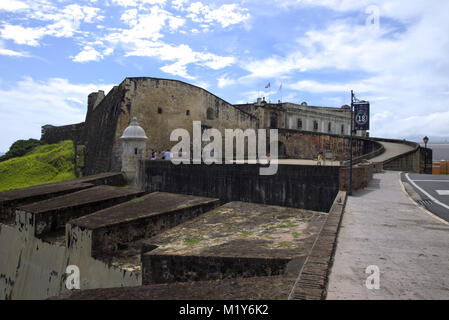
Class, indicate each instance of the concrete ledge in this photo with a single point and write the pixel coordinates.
(137, 219)
(116, 179)
(203, 268)
(50, 215)
(10, 200)
(235, 240)
(312, 280)
(256, 288)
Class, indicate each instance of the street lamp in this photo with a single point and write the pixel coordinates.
(425, 139)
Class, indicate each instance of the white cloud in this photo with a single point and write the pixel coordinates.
(134, 3)
(179, 4)
(12, 5)
(88, 54)
(223, 82)
(28, 104)
(182, 55)
(226, 15)
(59, 22)
(177, 69)
(319, 87)
(402, 71)
(21, 35)
(12, 53)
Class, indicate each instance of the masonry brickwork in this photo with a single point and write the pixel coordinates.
(162, 105)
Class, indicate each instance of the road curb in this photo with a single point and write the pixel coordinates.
(415, 203)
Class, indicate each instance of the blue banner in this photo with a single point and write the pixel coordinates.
(361, 116)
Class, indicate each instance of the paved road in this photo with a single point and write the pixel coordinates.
(391, 150)
(429, 191)
(383, 227)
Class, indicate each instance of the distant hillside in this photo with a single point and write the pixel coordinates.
(21, 148)
(45, 164)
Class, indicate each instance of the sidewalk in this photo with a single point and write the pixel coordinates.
(382, 226)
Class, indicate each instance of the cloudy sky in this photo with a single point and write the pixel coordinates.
(393, 53)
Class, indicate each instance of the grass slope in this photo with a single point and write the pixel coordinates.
(45, 164)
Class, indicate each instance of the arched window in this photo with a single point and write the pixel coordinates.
(315, 125)
(210, 114)
(299, 123)
(329, 127)
(342, 129)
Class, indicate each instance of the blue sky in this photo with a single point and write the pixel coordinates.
(392, 53)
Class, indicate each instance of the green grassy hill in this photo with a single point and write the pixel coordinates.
(45, 164)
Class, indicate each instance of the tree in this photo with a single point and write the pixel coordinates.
(20, 148)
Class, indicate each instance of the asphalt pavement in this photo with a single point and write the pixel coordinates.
(429, 191)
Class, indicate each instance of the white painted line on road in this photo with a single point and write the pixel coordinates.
(443, 192)
(431, 180)
(420, 189)
(433, 215)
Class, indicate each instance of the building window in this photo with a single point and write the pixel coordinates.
(159, 110)
(273, 120)
(315, 125)
(329, 127)
(342, 129)
(299, 123)
(210, 114)
(188, 113)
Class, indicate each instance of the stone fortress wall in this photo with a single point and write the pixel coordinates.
(162, 105)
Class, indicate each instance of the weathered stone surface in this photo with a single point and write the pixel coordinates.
(257, 288)
(10, 200)
(161, 106)
(235, 240)
(53, 214)
(313, 278)
(306, 187)
(137, 219)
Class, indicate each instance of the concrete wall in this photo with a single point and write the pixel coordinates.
(307, 145)
(305, 187)
(412, 161)
(100, 134)
(162, 106)
(362, 174)
(33, 269)
(52, 134)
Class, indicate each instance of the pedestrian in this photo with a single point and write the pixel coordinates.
(320, 158)
(167, 155)
(269, 158)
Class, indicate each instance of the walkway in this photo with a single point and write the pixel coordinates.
(391, 150)
(383, 227)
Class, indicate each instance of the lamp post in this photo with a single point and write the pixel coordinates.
(425, 139)
(350, 143)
